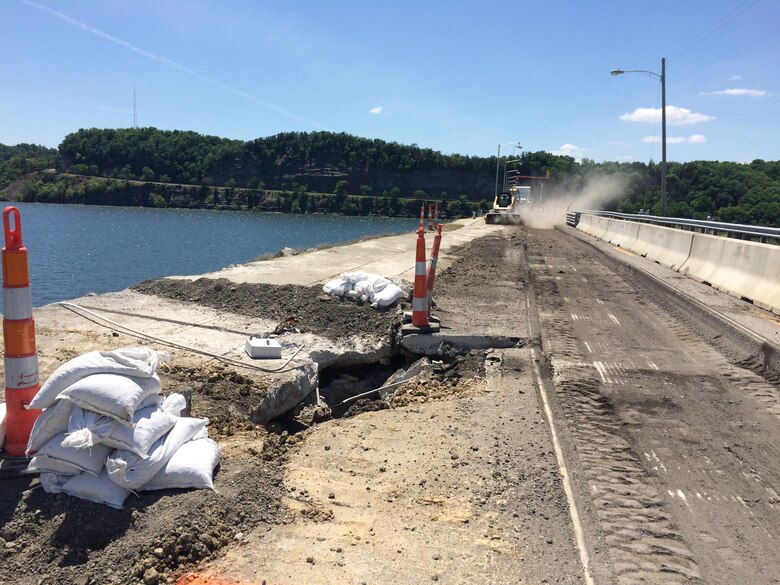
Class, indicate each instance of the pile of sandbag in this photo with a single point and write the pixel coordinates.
(367, 287)
(106, 431)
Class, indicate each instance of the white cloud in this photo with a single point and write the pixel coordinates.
(693, 139)
(740, 91)
(570, 150)
(675, 116)
(376, 110)
(624, 158)
(735, 78)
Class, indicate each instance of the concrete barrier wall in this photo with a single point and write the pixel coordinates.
(667, 246)
(743, 269)
(622, 233)
(599, 226)
(585, 223)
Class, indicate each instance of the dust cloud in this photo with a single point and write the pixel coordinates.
(597, 191)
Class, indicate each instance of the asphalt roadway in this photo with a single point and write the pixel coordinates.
(670, 433)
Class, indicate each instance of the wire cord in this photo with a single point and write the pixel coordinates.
(140, 334)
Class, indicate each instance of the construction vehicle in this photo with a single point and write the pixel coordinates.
(508, 206)
(511, 205)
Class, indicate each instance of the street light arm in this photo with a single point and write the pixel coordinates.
(616, 72)
(662, 79)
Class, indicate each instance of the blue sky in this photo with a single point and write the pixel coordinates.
(455, 76)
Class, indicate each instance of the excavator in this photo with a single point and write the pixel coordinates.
(510, 206)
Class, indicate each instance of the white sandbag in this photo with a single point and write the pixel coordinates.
(87, 428)
(353, 277)
(88, 460)
(373, 283)
(114, 396)
(100, 490)
(192, 466)
(52, 482)
(137, 362)
(2, 424)
(44, 464)
(132, 471)
(337, 287)
(387, 296)
(50, 423)
(367, 287)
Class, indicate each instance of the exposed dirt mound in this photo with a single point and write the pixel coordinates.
(305, 308)
(59, 540)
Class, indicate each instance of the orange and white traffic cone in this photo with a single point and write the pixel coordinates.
(432, 268)
(422, 216)
(436, 216)
(420, 298)
(430, 217)
(21, 356)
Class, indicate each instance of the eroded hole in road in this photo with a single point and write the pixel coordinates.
(341, 387)
(352, 390)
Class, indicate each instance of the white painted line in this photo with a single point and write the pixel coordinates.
(599, 301)
(614, 319)
(588, 347)
(575, 516)
(681, 494)
(602, 372)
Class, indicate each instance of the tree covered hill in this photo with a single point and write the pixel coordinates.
(147, 166)
(17, 161)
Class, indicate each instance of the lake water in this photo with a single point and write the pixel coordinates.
(77, 249)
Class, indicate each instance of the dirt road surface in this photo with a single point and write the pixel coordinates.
(663, 467)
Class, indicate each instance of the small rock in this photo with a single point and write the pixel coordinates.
(310, 560)
(151, 576)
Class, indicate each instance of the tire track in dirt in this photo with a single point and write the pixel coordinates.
(644, 544)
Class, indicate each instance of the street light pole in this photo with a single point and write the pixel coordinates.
(663, 136)
(662, 78)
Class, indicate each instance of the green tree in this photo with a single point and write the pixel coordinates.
(340, 189)
(157, 200)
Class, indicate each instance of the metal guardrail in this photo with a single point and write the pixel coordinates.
(740, 231)
(572, 218)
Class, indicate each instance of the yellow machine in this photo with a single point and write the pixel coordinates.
(511, 205)
(508, 206)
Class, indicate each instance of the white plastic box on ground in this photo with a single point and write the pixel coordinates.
(262, 348)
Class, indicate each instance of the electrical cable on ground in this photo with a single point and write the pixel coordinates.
(134, 332)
